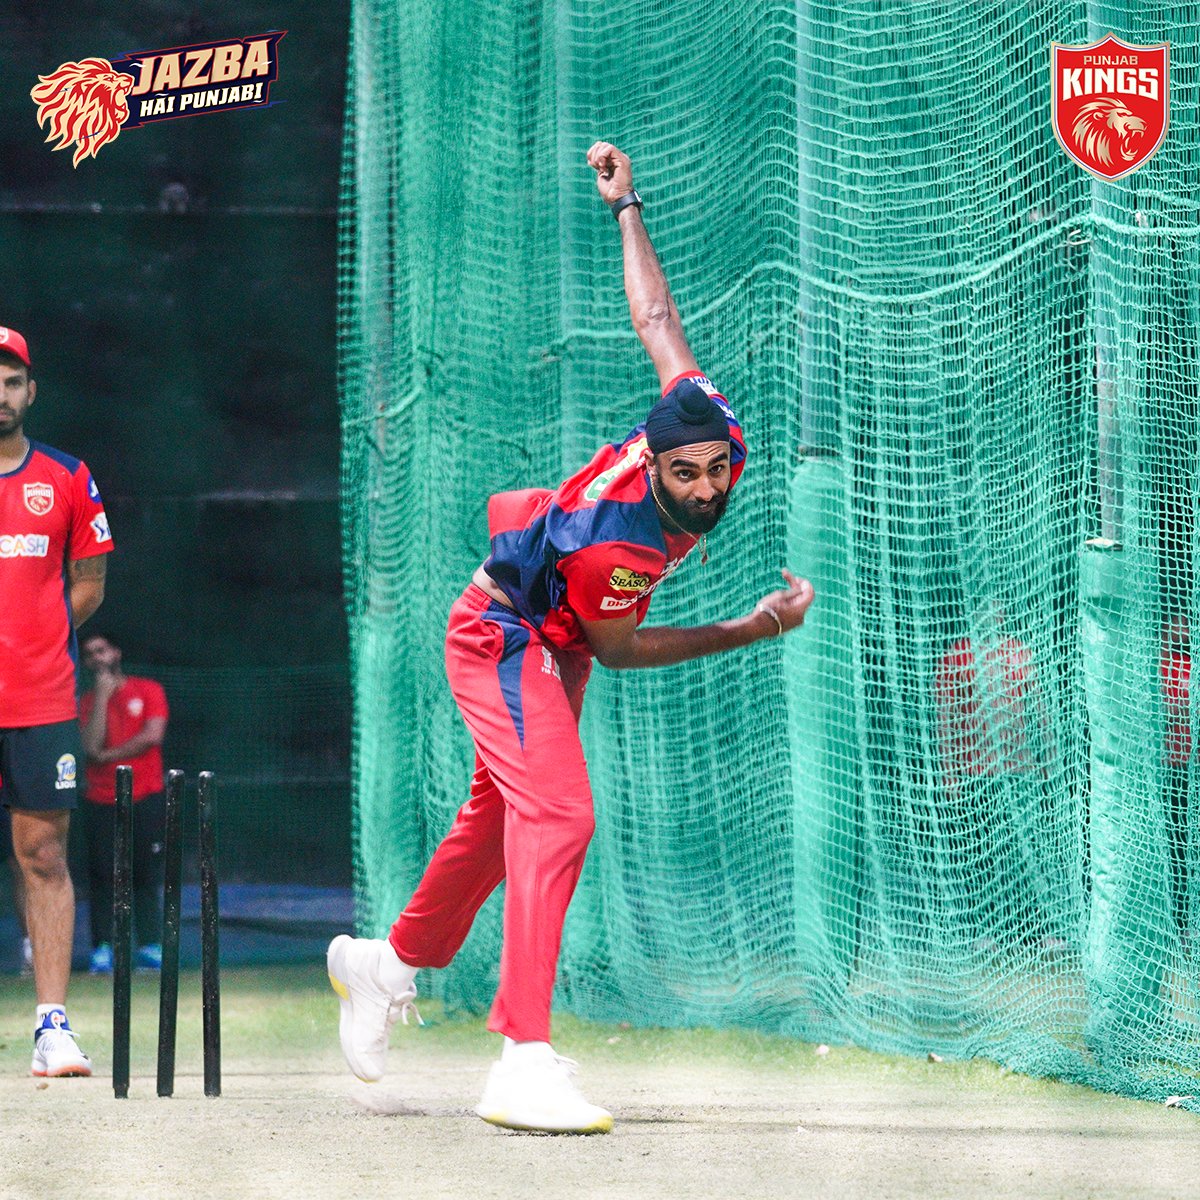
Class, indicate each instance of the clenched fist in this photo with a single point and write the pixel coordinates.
(614, 173)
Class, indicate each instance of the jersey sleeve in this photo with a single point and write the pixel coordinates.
(155, 699)
(608, 579)
(89, 525)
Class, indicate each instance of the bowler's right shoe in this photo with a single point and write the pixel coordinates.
(538, 1096)
(374, 988)
(55, 1053)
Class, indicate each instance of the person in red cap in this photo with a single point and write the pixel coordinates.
(570, 577)
(53, 540)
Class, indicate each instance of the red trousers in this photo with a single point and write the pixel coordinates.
(529, 817)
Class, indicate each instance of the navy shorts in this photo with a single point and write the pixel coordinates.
(39, 766)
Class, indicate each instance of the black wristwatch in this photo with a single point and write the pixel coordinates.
(630, 197)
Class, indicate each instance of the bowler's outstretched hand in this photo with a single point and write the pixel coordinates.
(791, 603)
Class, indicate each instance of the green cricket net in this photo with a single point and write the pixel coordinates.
(952, 813)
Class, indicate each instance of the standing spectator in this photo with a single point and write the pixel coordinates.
(124, 721)
(994, 746)
(54, 540)
(1176, 669)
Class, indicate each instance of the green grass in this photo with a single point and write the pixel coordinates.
(701, 1114)
(269, 1014)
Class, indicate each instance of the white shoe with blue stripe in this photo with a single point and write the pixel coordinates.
(55, 1052)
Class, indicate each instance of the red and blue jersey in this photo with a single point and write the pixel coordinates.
(594, 547)
(50, 514)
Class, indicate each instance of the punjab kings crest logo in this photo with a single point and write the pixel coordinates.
(1110, 103)
(83, 104)
(39, 498)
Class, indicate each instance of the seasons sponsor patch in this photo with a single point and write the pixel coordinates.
(623, 579)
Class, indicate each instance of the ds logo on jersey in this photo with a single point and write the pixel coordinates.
(66, 769)
(100, 527)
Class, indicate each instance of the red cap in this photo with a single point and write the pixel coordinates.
(14, 343)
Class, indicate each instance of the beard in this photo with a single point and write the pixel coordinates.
(690, 515)
(10, 422)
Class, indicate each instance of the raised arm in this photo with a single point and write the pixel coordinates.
(651, 306)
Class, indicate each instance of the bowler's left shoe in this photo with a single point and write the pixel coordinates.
(55, 1052)
(374, 988)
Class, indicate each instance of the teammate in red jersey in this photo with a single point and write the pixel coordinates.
(124, 720)
(53, 539)
(1175, 672)
(569, 578)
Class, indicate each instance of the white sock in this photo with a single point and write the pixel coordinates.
(524, 1052)
(396, 975)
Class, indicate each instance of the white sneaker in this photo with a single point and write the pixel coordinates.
(538, 1096)
(369, 1005)
(55, 1053)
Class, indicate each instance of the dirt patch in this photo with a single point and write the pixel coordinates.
(682, 1130)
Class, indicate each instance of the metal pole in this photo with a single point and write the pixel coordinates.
(122, 930)
(168, 988)
(209, 930)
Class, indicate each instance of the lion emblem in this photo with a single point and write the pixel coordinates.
(1103, 127)
(84, 105)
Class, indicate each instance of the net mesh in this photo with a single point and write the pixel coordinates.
(951, 814)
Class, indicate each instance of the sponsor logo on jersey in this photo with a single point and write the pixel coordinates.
(135, 706)
(632, 453)
(93, 490)
(66, 770)
(549, 663)
(100, 527)
(669, 569)
(646, 587)
(24, 545)
(1110, 103)
(89, 103)
(39, 498)
(624, 580)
